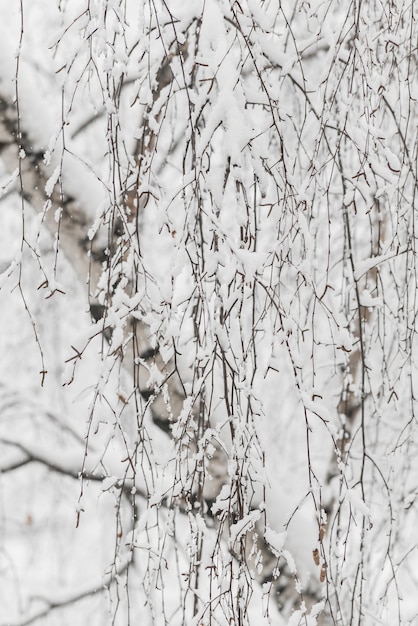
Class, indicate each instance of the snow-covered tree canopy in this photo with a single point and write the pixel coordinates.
(208, 293)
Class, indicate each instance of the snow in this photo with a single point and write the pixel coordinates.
(277, 173)
(245, 524)
(367, 264)
(358, 503)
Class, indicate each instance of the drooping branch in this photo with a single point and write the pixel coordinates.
(61, 599)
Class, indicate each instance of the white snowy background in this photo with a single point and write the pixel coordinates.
(286, 171)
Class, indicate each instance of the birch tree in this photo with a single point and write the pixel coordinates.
(209, 295)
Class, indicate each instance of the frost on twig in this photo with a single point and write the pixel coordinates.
(234, 186)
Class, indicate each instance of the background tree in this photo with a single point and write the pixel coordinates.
(208, 253)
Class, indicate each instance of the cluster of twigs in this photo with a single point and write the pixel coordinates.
(251, 262)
